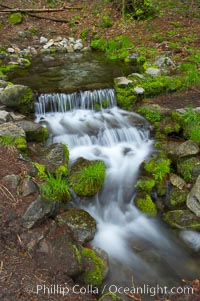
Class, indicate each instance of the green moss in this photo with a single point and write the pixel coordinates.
(185, 167)
(78, 254)
(161, 188)
(15, 18)
(7, 140)
(27, 97)
(94, 274)
(177, 197)
(41, 170)
(106, 22)
(39, 135)
(87, 177)
(21, 144)
(61, 170)
(146, 205)
(125, 97)
(182, 219)
(153, 116)
(66, 151)
(145, 184)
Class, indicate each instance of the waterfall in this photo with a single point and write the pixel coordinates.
(93, 127)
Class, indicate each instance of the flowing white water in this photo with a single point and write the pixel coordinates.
(121, 139)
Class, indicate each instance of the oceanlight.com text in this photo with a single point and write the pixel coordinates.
(146, 289)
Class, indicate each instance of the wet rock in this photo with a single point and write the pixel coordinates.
(105, 259)
(12, 181)
(28, 187)
(58, 252)
(78, 46)
(12, 130)
(177, 181)
(80, 222)
(193, 199)
(187, 148)
(153, 71)
(48, 44)
(38, 211)
(182, 219)
(122, 81)
(5, 117)
(34, 131)
(17, 97)
(11, 50)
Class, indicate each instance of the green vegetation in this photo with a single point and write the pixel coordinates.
(92, 275)
(158, 167)
(145, 184)
(106, 22)
(41, 170)
(55, 188)
(185, 167)
(15, 18)
(125, 97)
(87, 177)
(146, 205)
(178, 197)
(182, 219)
(114, 48)
(10, 142)
(153, 116)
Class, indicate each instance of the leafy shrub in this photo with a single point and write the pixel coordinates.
(152, 116)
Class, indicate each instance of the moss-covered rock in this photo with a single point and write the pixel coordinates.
(182, 219)
(34, 132)
(169, 126)
(187, 167)
(40, 170)
(177, 197)
(18, 97)
(15, 18)
(21, 143)
(55, 157)
(145, 184)
(87, 177)
(93, 268)
(81, 223)
(144, 203)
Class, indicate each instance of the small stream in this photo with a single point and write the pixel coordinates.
(76, 102)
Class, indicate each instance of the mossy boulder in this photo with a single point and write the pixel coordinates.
(182, 219)
(145, 184)
(188, 168)
(59, 253)
(144, 203)
(81, 223)
(87, 177)
(15, 18)
(177, 197)
(18, 97)
(34, 132)
(93, 268)
(110, 297)
(21, 144)
(55, 157)
(169, 126)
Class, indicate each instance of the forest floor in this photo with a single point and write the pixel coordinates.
(177, 25)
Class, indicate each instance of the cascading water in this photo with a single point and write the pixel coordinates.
(93, 127)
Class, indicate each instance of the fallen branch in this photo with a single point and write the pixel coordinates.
(36, 10)
(50, 19)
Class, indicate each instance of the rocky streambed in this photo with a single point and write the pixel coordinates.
(47, 226)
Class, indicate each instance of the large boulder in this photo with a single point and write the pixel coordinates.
(59, 253)
(17, 97)
(80, 222)
(34, 131)
(182, 219)
(193, 199)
